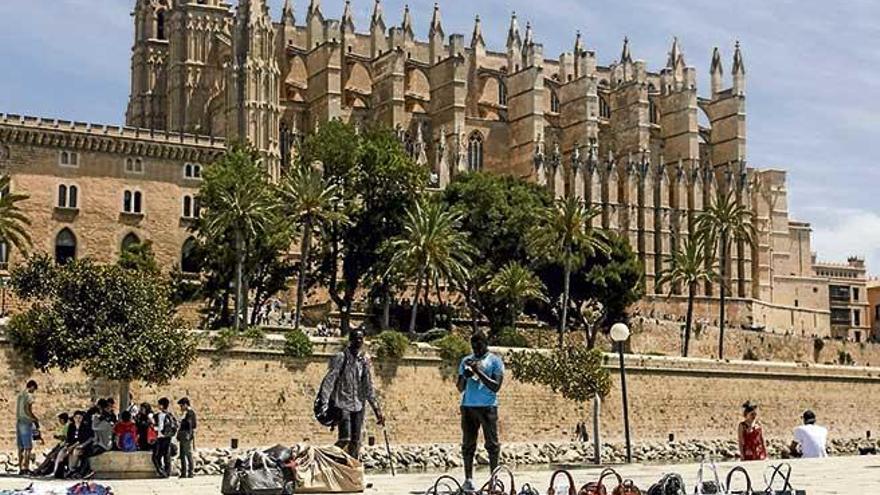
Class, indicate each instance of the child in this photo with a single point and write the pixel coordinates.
(63, 426)
(125, 432)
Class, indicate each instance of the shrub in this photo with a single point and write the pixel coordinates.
(433, 335)
(391, 345)
(452, 349)
(297, 344)
(845, 358)
(224, 339)
(575, 372)
(750, 355)
(509, 337)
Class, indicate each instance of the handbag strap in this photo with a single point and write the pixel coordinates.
(700, 478)
(445, 479)
(571, 488)
(494, 482)
(784, 472)
(607, 472)
(739, 469)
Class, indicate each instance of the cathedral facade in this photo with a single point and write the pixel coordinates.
(640, 144)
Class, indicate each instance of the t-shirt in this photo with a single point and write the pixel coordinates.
(21, 414)
(476, 393)
(812, 439)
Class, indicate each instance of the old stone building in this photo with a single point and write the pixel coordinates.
(640, 144)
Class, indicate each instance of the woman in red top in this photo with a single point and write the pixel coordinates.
(751, 435)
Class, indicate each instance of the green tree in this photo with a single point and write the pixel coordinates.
(687, 267)
(139, 256)
(13, 221)
(498, 212)
(517, 285)
(311, 202)
(725, 222)
(564, 235)
(376, 182)
(240, 209)
(431, 246)
(115, 323)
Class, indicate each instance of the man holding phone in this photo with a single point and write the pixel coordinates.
(479, 379)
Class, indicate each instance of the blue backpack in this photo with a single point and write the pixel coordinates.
(127, 443)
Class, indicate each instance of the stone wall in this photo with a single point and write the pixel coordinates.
(261, 397)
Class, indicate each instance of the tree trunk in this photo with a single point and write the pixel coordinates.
(386, 311)
(305, 246)
(723, 295)
(597, 440)
(472, 309)
(692, 287)
(564, 312)
(415, 304)
(239, 262)
(124, 395)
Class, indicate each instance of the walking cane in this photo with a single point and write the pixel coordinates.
(388, 449)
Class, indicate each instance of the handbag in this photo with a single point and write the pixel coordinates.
(598, 488)
(784, 472)
(527, 489)
(571, 488)
(495, 486)
(327, 413)
(263, 480)
(669, 484)
(708, 487)
(448, 484)
(748, 490)
(231, 484)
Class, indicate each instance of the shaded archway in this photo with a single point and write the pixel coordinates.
(189, 261)
(65, 246)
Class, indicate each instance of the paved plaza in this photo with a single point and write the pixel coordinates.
(831, 476)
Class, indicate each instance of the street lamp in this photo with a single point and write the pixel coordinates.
(619, 334)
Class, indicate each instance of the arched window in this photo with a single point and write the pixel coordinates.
(65, 246)
(132, 202)
(130, 239)
(62, 196)
(189, 262)
(604, 109)
(653, 112)
(554, 102)
(160, 25)
(137, 202)
(192, 171)
(126, 202)
(72, 197)
(475, 151)
(4, 255)
(502, 93)
(187, 207)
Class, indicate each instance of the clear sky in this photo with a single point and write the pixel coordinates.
(812, 87)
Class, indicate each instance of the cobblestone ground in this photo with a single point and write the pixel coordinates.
(831, 476)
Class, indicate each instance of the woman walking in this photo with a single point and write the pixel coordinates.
(751, 435)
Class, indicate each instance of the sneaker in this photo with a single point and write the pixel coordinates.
(468, 486)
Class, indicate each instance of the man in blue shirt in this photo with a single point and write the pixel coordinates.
(479, 378)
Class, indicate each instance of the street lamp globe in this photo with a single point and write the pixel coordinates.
(619, 332)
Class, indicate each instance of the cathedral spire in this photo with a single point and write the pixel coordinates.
(738, 65)
(407, 23)
(314, 8)
(578, 44)
(287, 17)
(625, 55)
(716, 72)
(348, 17)
(676, 58)
(513, 35)
(377, 14)
(436, 24)
(529, 37)
(477, 37)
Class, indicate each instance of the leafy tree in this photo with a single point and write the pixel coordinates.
(498, 213)
(688, 267)
(115, 323)
(390, 345)
(431, 246)
(564, 236)
(241, 215)
(601, 291)
(516, 285)
(139, 256)
(376, 183)
(13, 222)
(311, 202)
(726, 221)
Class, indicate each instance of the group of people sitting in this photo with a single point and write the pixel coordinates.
(86, 434)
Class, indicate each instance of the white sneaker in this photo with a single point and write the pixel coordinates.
(468, 486)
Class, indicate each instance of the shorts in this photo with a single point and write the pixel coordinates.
(24, 434)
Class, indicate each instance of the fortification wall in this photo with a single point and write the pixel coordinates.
(261, 397)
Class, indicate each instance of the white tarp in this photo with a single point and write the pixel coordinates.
(326, 470)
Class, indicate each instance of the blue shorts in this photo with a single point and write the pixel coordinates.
(24, 433)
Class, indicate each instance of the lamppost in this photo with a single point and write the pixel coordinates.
(619, 334)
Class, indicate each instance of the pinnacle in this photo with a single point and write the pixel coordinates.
(625, 55)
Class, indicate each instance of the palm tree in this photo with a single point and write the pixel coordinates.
(432, 245)
(249, 206)
(310, 202)
(689, 266)
(564, 235)
(724, 222)
(517, 285)
(13, 222)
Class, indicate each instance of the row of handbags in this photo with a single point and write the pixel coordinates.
(501, 482)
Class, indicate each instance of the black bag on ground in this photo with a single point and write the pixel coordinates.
(783, 472)
(747, 491)
(262, 478)
(47, 467)
(669, 484)
(327, 413)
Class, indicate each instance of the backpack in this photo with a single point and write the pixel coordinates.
(127, 442)
(170, 426)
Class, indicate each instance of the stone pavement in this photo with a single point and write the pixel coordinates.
(831, 476)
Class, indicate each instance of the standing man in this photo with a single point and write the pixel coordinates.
(349, 385)
(25, 420)
(479, 379)
(186, 437)
(810, 437)
(166, 427)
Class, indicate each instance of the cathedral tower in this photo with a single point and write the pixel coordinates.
(149, 57)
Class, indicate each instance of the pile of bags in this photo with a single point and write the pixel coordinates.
(82, 488)
(738, 482)
(299, 469)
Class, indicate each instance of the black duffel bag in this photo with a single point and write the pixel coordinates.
(326, 412)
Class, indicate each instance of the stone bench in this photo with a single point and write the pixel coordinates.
(124, 465)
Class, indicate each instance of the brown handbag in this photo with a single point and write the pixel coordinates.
(571, 488)
(495, 486)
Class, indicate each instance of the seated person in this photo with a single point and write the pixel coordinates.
(79, 438)
(63, 425)
(810, 439)
(125, 432)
